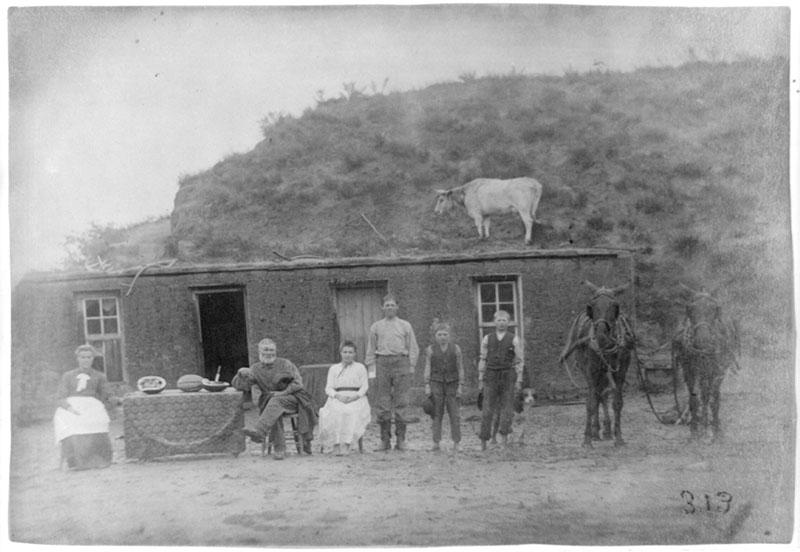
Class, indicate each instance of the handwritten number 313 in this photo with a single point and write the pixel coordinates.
(722, 504)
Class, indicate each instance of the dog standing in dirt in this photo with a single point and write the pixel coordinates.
(523, 401)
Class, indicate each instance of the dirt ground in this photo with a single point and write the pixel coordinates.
(546, 490)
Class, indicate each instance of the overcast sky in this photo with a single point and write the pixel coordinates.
(109, 106)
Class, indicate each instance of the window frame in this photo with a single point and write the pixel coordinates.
(101, 340)
(486, 326)
(102, 318)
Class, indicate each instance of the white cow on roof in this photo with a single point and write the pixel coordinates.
(483, 197)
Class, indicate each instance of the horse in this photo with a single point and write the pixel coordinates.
(704, 346)
(602, 340)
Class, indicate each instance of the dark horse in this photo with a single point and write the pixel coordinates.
(703, 347)
(602, 340)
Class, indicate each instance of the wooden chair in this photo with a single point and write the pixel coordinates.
(266, 446)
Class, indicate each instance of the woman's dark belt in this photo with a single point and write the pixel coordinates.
(346, 388)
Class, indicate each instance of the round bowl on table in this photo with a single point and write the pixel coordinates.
(215, 386)
(151, 384)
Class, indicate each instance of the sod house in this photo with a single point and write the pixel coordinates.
(198, 319)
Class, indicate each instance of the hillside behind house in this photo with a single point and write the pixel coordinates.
(688, 166)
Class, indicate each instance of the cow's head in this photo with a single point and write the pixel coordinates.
(603, 310)
(445, 199)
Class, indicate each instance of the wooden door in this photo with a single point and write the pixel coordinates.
(357, 307)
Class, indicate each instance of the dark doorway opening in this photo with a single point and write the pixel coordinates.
(223, 332)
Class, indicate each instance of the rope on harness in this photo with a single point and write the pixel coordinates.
(660, 418)
(571, 347)
(623, 330)
(565, 364)
(574, 346)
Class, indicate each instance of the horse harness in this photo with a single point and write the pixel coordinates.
(617, 333)
(691, 329)
(688, 341)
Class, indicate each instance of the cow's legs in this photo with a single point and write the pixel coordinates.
(478, 220)
(527, 220)
(486, 223)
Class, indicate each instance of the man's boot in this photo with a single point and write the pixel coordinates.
(255, 435)
(400, 433)
(386, 436)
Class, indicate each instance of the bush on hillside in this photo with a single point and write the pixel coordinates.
(234, 247)
(581, 158)
(400, 150)
(534, 133)
(502, 163)
(650, 205)
(689, 170)
(687, 246)
(355, 160)
(599, 224)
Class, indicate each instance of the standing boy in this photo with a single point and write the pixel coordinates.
(444, 378)
(499, 377)
(391, 356)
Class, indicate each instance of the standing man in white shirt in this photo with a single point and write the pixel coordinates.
(391, 357)
(499, 377)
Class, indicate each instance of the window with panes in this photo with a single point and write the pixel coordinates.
(500, 293)
(102, 329)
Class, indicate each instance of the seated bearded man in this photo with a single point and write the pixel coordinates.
(282, 392)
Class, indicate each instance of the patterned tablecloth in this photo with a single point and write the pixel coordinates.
(174, 422)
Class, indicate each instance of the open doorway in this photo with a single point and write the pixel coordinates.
(223, 332)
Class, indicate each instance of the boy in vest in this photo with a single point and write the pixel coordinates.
(391, 357)
(499, 377)
(444, 377)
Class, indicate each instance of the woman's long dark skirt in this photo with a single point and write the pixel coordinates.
(81, 452)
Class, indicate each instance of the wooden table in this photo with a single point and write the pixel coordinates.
(175, 422)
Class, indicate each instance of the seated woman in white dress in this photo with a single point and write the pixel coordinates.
(344, 418)
(81, 420)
